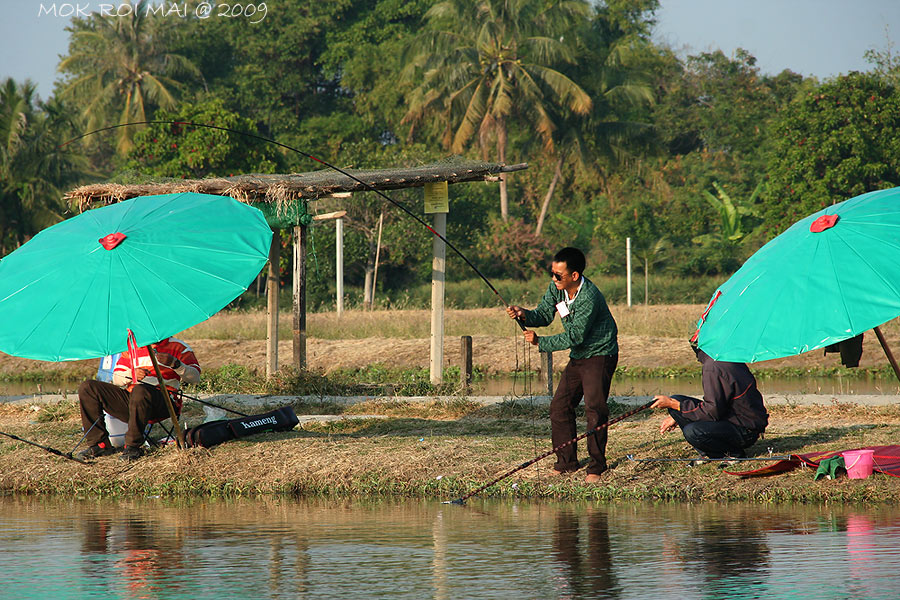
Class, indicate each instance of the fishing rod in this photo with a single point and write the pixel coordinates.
(210, 404)
(47, 448)
(702, 460)
(318, 160)
(462, 500)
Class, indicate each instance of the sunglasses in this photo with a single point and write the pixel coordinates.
(557, 276)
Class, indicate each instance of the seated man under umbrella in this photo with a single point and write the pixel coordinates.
(134, 396)
(730, 417)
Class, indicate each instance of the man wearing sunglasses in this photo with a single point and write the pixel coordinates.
(590, 335)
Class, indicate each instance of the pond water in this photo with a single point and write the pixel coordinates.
(338, 549)
(691, 386)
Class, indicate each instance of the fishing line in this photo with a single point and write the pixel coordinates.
(42, 447)
(320, 161)
(210, 404)
(85, 434)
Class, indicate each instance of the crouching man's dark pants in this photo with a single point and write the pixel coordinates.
(715, 438)
(143, 404)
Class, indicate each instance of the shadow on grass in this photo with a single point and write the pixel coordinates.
(797, 444)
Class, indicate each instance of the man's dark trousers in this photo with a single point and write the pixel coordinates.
(143, 404)
(589, 378)
(716, 439)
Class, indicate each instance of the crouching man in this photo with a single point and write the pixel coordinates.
(134, 396)
(730, 417)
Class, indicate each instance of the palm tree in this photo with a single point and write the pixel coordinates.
(34, 169)
(482, 63)
(619, 83)
(119, 65)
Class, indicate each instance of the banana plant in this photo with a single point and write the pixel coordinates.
(732, 216)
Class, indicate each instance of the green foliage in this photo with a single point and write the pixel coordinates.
(182, 151)
(119, 69)
(34, 168)
(512, 248)
(632, 137)
(733, 216)
(480, 66)
(834, 142)
(715, 103)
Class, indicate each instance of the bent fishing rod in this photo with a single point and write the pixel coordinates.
(322, 162)
(47, 448)
(210, 404)
(462, 500)
(705, 460)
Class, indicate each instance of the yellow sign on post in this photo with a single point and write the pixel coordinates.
(437, 198)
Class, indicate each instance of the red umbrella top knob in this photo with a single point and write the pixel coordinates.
(824, 222)
(112, 240)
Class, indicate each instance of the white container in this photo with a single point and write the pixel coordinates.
(116, 430)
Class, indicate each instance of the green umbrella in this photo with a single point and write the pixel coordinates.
(155, 265)
(829, 277)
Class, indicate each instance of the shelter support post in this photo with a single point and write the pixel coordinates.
(339, 264)
(465, 367)
(438, 274)
(338, 218)
(272, 285)
(887, 352)
(179, 434)
(628, 271)
(371, 298)
(299, 321)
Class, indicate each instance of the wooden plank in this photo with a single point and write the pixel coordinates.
(330, 216)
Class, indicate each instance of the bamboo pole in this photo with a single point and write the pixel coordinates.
(628, 270)
(371, 300)
(272, 285)
(339, 265)
(887, 352)
(179, 434)
(299, 308)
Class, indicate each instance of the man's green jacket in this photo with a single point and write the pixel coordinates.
(589, 328)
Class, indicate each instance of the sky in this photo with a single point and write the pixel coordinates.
(822, 38)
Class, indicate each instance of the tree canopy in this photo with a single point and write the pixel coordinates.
(700, 159)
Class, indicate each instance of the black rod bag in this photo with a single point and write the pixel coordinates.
(212, 433)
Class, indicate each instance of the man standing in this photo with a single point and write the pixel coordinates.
(590, 334)
(134, 396)
(730, 417)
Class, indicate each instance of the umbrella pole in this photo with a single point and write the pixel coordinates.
(887, 352)
(179, 434)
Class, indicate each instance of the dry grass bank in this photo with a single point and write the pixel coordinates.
(650, 337)
(440, 451)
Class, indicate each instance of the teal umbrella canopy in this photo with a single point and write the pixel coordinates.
(829, 277)
(155, 264)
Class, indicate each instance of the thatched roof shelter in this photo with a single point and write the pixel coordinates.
(279, 197)
(291, 187)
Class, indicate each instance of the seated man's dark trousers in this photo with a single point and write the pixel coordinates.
(716, 439)
(143, 404)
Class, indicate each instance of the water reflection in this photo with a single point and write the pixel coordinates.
(727, 551)
(581, 545)
(328, 549)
